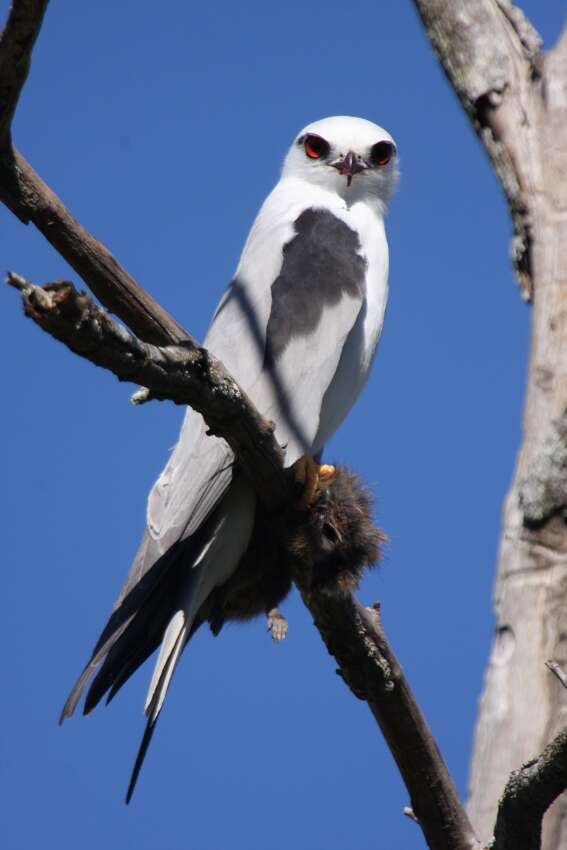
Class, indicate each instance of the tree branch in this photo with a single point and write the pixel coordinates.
(30, 199)
(16, 44)
(491, 55)
(527, 796)
(355, 637)
(185, 374)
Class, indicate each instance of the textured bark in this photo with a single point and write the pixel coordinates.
(516, 97)
(18, 38)
(355, 637)
(529, 793)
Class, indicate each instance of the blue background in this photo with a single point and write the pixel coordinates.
(163, 128)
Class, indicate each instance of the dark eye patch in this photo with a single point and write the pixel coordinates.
(381, 153)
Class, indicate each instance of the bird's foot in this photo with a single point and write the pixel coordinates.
(315, 479)
(277, 624)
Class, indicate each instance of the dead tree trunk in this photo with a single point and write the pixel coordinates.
(516, 97)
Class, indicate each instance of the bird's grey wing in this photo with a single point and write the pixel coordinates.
(316, 300)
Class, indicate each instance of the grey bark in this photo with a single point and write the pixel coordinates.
(516, 97)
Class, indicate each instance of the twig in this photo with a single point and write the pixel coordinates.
(527, 796)
(409, 813)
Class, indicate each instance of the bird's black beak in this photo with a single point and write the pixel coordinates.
(349, 165)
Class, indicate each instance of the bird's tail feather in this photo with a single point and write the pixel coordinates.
(148, 733)
(174, 641)
(136, 643)
(88, 672)
(171, 647)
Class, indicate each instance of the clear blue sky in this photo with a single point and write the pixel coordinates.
(163, 128)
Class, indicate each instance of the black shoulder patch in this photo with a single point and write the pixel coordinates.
(320, 265)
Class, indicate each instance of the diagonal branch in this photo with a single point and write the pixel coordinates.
(27, 196)
(355, 637)
(30, 199)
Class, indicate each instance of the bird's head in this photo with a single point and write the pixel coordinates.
(351, 156)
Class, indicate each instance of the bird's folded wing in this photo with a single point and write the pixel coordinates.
(300, 334)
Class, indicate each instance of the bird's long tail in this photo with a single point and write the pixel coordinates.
(214, 563)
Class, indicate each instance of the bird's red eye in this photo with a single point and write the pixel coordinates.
(381, 153)
(315, 146)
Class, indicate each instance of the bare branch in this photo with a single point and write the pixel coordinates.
(25, 193)
(527, 796)
(16, 44)
(355, 637)
(491, 55)
(185, 374)
(30, 199)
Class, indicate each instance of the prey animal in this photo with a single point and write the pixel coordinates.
(297, 327)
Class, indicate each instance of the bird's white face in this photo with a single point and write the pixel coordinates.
(350, 156)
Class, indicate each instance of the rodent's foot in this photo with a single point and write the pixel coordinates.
(277, 624)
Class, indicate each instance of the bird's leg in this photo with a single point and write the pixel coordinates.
(314, 477)
(277, 624)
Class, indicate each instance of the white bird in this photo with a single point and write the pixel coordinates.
(297, 328)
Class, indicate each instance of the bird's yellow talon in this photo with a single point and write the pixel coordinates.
(315, 479)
